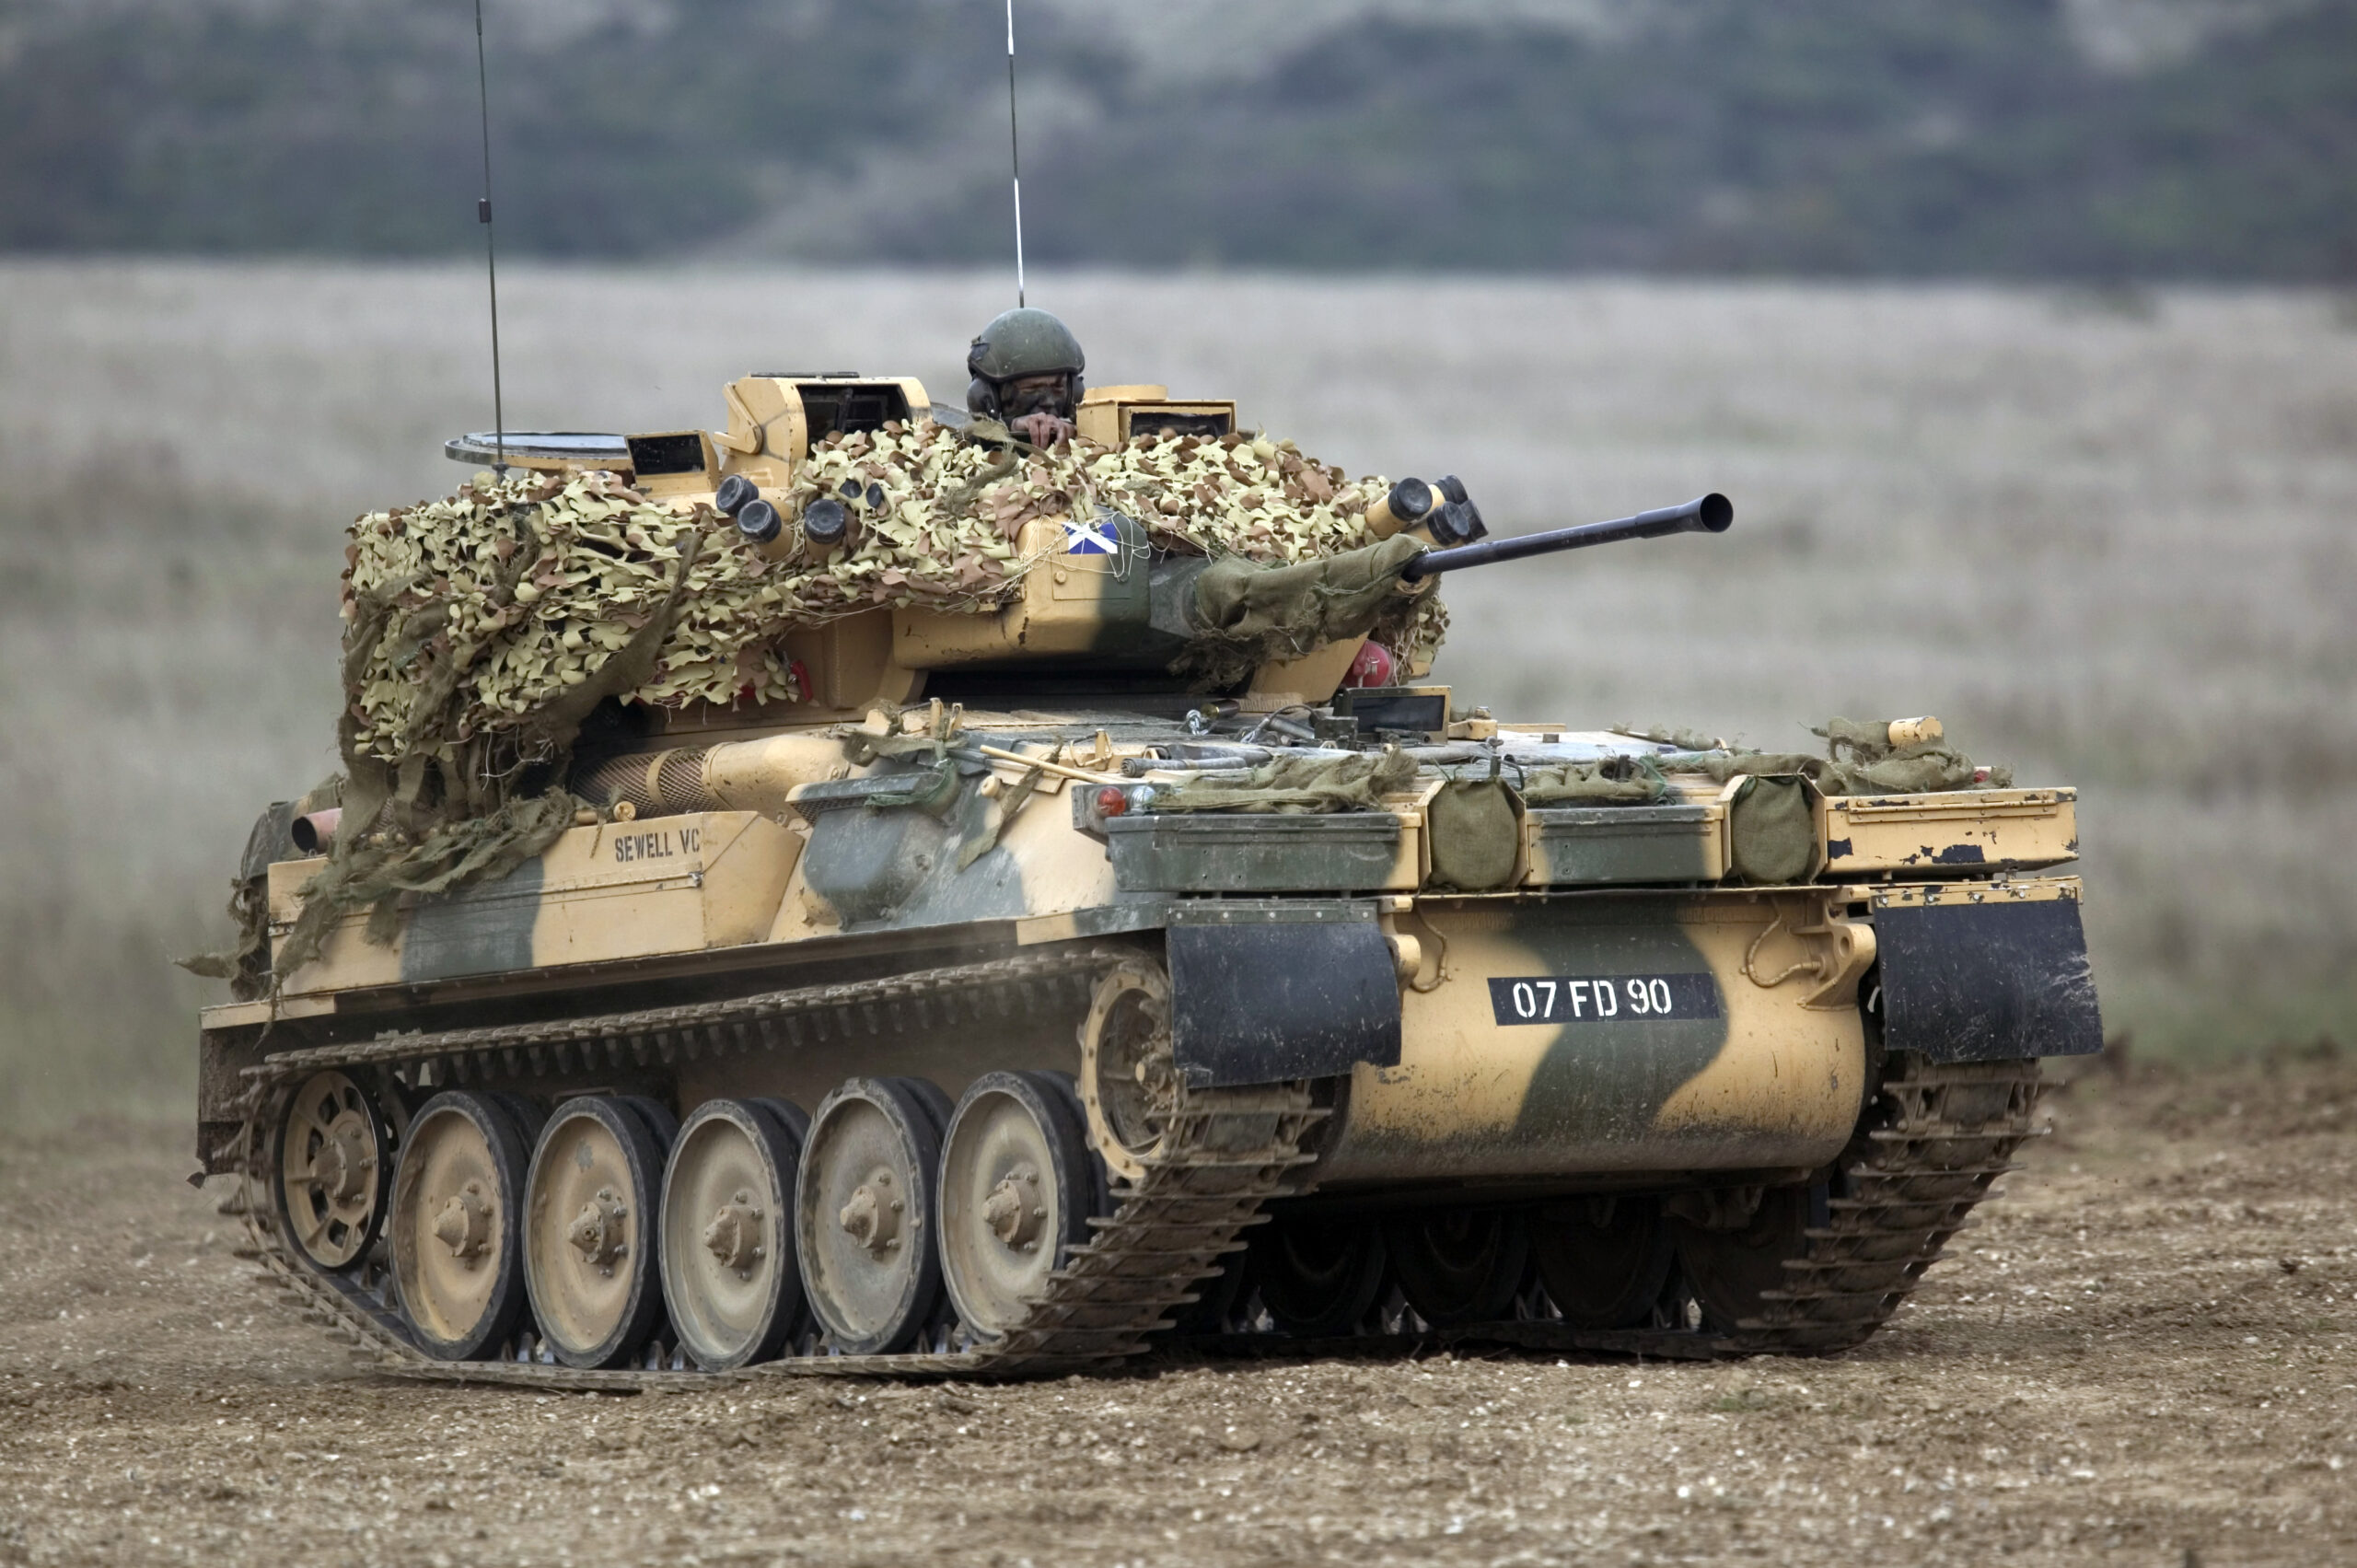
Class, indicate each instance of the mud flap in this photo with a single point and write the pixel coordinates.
(1263, 992)
(1987, 983)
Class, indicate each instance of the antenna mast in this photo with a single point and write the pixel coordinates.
(489, 252)
(1013, 148)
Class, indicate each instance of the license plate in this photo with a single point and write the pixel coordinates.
(1602, 998)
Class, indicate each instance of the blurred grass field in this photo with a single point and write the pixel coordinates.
(2108, 538)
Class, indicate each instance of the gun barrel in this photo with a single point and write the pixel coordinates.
(1706, 514)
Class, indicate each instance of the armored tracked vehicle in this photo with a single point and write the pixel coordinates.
(1141, 949)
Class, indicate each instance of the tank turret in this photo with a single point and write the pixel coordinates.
(1106, 602)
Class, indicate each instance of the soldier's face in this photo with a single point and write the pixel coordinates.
(1036, 394)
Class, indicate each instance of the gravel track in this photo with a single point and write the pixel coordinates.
(2142, 1355)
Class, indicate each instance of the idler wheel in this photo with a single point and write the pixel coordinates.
(729, 1275)
(1017, 1188)
(457, 1197)
(1320, 1276)
(335, 1160)
(1459, 1266)
(1128, 1083)
(1605, 1261)
(590, 1204)
(863, 1222)
(1729, 1267)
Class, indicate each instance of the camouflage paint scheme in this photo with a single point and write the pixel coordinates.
(615, 890)
(1650, 1046)
(1734, 1076)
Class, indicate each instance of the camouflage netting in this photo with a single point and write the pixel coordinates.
(1298, 786)
(1860, 760)
(1233, 496)
(1613, 780)
(506, 597)
(481, 630)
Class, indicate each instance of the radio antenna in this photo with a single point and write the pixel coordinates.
(491, 253)
(1014, 148)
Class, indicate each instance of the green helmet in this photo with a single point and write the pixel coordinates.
(1018, 344)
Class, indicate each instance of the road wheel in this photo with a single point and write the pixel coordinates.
(657, 1116)
(1729, 1267)
(864, 1213)
(729, 1274)
(1017, 1193)
(590, 1204)
(1605, 1261)
(456, 1207)
(335, 1163)
(1318, 1276)
(1459, 1266)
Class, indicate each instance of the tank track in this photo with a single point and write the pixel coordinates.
(1908, 1183)
(1225, 1153)
(1905, 1186)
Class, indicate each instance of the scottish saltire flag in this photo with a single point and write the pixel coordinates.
(1091, 538)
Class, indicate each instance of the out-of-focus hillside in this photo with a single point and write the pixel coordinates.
(2105, 537)
(2095, 139)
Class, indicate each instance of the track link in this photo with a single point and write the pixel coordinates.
(1944, 1132)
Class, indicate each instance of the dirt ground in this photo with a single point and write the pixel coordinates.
(2143, 1355)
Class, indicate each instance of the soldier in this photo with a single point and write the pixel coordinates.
(1027, 373)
